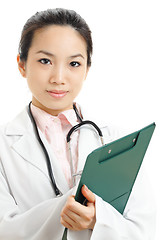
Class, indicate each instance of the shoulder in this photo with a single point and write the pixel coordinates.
(18, 125)
(110, 132)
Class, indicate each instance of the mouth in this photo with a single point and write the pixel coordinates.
(57, 93)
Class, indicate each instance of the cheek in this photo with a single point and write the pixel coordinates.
(35, 79)
(77, 85)
(78, 81)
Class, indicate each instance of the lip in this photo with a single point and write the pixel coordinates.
(57, 93)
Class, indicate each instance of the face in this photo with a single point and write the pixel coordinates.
(56, 68)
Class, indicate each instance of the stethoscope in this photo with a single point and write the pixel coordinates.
(74, 128)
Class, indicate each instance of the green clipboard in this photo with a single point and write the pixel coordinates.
(111, 170)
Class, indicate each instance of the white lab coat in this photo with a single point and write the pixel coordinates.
(29, 209)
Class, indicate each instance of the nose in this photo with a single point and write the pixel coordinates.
(58, 74)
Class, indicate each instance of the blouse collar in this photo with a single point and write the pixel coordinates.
(44, 119)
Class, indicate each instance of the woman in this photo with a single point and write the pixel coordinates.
(55, 56)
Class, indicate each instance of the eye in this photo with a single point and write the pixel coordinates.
(45, 61)
(75, 64)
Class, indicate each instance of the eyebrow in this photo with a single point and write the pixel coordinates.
(46, 53)
(52, 55)
(77, 55)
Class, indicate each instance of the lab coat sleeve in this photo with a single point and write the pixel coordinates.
(38, 223)
(137, 221)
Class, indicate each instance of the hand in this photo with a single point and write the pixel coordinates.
(76, 216)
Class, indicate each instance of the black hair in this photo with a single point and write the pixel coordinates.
(58, 16)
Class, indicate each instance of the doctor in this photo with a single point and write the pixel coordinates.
(55, 57)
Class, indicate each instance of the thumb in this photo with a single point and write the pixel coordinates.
(88, 194)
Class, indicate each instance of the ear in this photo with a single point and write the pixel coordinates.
(21, 66)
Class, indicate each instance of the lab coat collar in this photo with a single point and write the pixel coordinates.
(19, 125)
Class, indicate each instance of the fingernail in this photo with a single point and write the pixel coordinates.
(86, 188)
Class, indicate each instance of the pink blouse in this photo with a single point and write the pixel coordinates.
(55, 130)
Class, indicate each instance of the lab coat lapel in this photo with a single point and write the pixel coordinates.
(28, 147)
(88, 141)
(56, 167)
(24, 141)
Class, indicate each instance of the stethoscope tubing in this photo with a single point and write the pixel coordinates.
(68, 138)
(49, 167)
(87, 122)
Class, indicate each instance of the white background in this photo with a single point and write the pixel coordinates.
(123, 83)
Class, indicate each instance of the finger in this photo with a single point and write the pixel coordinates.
(71, 223)
(67, 222)
(71, 216)
(88, 194)
(72, 208)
